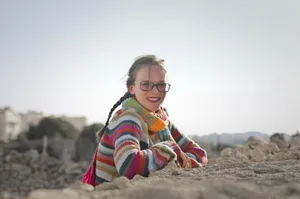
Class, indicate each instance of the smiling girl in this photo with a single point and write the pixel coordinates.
(140, 139)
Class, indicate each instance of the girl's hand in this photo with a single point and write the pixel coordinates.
(204, 161)
(183, 160)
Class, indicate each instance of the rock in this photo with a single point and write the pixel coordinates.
(106, 186)
(257, 155)
(282, 156)
(226, 152)
(72, 168)
(272, 148)
(122, 182)
(138, 177)
(296, 154)
(296, 138)
(256, 143)
(279, 141)
(1, 151)
(23, 173)
(270, 157)
(243, 150)
(22, 170)
(5, 195)
(13, 156)
(295, 147)
(241, 156)
(78, 185)
(253, 141)
(32, 155)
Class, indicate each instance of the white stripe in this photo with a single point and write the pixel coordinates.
(105, 150)
(191, 156)
(122, 159)
(144, 137)
(125, 137)
(104, 175)
(151, 165)
(107, 166)
(182, 141)
(115, 123)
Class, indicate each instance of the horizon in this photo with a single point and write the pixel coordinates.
(233, 67)
(90, 123)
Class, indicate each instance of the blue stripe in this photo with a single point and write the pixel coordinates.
(105, 145)
(146, 169)
(126, 164)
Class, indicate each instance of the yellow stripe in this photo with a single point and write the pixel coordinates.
(107, 170)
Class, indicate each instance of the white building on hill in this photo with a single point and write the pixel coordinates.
(30, 118)
(10, 124)
(78, 122)
(13, 123)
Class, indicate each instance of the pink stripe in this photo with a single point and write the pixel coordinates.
(107, 139)
(197, 152)
(184, 147)
(122, 129)
(133, 166)
(105, 156)
(156, 159)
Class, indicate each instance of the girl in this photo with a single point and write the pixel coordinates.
(140, 138)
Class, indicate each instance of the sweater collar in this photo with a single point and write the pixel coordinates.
(156, 121)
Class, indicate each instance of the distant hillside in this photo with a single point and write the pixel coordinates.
(229, 138)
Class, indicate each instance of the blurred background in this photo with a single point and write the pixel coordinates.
(233, 66)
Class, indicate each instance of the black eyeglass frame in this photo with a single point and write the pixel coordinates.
(168, 86)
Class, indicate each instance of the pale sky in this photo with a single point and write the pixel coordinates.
(234, 66)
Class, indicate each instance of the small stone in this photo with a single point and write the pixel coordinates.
(257, 155)
(281, 156)
(32, 155)
(122, 182)
(226, 152)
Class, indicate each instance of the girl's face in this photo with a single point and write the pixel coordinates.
(149, 87)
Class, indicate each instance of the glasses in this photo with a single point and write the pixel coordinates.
(161, 87)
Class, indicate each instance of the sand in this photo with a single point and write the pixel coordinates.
(225, 179)
(257, 169)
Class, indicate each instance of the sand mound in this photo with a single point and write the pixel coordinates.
(256, 150)
(227, 180)
(256, 169)
(21, 173)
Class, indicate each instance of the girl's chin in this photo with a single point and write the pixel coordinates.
(152, 108)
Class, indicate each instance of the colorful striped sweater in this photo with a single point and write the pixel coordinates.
(128, 148)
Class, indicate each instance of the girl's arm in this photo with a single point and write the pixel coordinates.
(129, 158)
(188, 146)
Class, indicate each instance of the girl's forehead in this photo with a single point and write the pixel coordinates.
(153, 72)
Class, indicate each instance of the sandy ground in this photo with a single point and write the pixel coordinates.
(223, 180)
(256, 169)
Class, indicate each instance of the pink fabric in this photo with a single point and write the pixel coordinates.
(90, 176)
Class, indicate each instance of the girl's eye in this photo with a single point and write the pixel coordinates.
(145, 83)
(161, 84)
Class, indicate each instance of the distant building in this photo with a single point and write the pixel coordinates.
(31, 118)
(78, 122)
(13, 123)
(10, 124)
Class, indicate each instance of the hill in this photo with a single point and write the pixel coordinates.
(229, 138)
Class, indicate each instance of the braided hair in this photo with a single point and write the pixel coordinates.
(138, 63)
(100, 133)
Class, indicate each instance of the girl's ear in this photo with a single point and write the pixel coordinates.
(131, 89)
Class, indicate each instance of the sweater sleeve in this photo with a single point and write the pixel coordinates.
(188, 146)
(130, 159)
